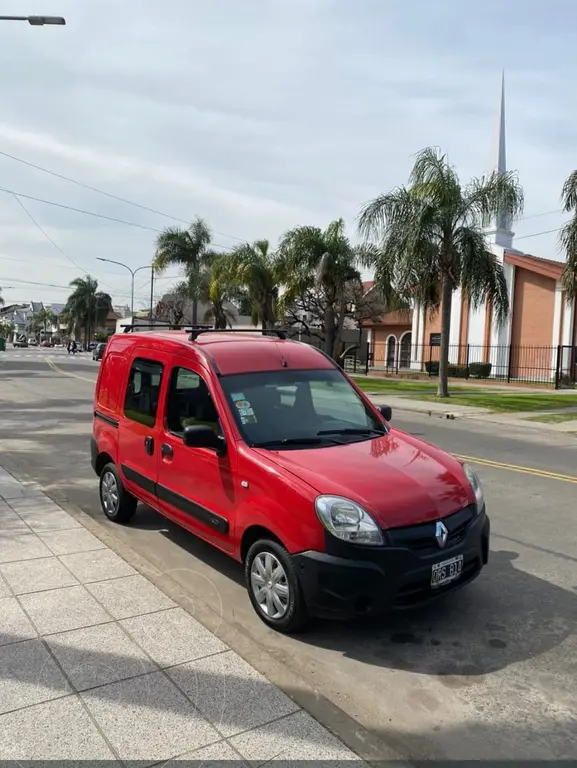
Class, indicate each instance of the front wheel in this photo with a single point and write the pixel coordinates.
(274, 588)
(117, 503)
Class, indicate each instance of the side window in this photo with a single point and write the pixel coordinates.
(141, 400)
(189, 402)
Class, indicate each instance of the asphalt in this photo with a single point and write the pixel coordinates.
(486, 674)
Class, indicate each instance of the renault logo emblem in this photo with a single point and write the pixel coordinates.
(441, 534)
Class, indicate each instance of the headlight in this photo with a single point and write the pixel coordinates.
(347, 520)
(475, 484)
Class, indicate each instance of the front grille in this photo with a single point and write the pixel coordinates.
(421, 538)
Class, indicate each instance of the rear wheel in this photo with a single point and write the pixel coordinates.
(116, 502)
(274, 588)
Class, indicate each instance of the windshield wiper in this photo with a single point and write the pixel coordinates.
(291, 441)
(352, 431)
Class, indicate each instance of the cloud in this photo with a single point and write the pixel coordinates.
(264, 114)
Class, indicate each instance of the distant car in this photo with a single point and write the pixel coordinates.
(20, 343)
(32, 343)
(46, 343)
(98, 351)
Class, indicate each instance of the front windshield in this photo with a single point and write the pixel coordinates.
(298, 409)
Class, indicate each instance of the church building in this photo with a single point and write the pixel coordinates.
(539, 333)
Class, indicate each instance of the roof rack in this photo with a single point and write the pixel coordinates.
(171, 326)
(197, 330)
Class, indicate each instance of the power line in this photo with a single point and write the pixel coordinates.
(93, 213)
(79, 210)
(59, 265)
(46, 235)
(108, 194)
(536, 234)
(55, 287)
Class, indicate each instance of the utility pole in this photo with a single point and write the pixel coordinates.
(151, 293)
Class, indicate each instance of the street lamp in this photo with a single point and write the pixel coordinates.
(37, 21)
(133, 273)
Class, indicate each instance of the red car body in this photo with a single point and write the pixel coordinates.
(236, 492)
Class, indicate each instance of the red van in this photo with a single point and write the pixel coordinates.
(263, 447)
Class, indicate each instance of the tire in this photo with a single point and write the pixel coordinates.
(295, 616)
(117, 503)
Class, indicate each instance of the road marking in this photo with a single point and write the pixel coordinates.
(57, 369)
(516, 468)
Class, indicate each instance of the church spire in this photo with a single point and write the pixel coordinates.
(499, 229)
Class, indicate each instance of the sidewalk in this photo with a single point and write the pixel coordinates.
(447, 411)
(96, 663)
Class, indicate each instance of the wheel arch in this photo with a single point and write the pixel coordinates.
(252, 534)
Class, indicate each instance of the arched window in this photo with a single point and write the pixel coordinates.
(391, 351)
(405, 354)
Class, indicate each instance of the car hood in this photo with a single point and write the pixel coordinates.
(399, 479)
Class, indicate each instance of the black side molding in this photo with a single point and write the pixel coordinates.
(106, 419)
(135, 477)
(193, 509)
(93, 453)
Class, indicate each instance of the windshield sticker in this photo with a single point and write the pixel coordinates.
(242, 404)
(237, 396)
(249, 418)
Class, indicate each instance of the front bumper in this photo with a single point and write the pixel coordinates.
(384, 578)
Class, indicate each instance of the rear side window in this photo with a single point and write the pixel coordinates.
(142, 391)
(110, 382)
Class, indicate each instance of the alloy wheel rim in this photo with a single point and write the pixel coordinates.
(269, 584)
(109, 493)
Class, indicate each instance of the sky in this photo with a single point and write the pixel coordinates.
(261, 115)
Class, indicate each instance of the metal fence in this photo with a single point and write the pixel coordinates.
(554, 366)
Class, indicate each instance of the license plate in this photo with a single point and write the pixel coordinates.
(446, 571)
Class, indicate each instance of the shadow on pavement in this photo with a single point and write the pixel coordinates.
(235, 702)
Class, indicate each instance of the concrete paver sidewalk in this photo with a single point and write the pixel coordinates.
(98, 664)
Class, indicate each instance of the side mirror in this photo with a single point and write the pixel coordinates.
(386, 412)
(203, 436)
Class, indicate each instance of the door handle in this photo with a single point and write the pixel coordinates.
(149, 445)
(166, 450)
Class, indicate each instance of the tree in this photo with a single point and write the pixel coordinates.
(431, 240)
(7, 329)
(43, 318)
(174, 306)
(1, 299)
(86, 307)
(187, 248)
(250, 275)
(568, 236)
(218, 313)
(319, 267)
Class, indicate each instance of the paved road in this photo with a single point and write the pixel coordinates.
(487, 674)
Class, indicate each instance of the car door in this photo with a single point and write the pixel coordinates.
(140, 423)
(196, 486)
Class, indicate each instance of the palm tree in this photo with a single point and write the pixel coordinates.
(43, 318)
(187, 248)
(218, 312)
(251, 273)
(568, 236)
(86, 307)
(325, 261)
(431, 238)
